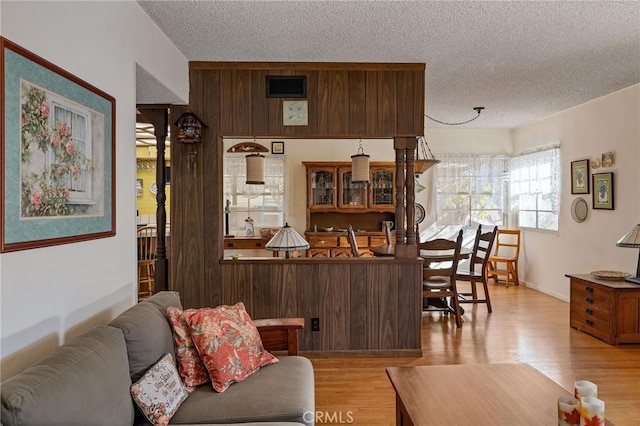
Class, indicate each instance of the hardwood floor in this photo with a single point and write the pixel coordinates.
(525, 326)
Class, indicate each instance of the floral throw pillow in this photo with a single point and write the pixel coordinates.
(159, 392)
(228, 343)
(190, 365)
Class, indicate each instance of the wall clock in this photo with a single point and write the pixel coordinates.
(295, 113)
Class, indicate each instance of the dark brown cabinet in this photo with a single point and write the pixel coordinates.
(608, 310)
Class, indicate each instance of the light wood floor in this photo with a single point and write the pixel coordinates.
(525, 326)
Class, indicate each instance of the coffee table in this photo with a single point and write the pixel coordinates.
(475, 394)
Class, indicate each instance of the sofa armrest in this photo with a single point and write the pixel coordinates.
(280, 334)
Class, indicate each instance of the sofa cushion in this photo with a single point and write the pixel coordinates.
(228, 343)
(282, 392)
(160, 391)
(190, 366)
(147, 331)
(85, 381)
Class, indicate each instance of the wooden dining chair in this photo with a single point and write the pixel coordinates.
(477, 272)
(387, 235)
(351, 237)
(147, 240)
(438, 283)
(507, 252)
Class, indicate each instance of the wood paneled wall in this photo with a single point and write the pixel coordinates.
(362, 304)
(345, 100)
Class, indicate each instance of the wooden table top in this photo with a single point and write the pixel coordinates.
(429, 255)
(477, 394)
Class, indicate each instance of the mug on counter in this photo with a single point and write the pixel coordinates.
(387, 224)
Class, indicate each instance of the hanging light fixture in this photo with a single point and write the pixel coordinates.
(422, 164)
(255, 169)
(360, 166)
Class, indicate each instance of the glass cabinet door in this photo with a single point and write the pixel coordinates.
(352, 195)
(382, 188)
(322, 188)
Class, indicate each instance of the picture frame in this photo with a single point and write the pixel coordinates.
(277, 147)
(58, 148)
(139, 187)
(607, 159)
(295, 113)
(603, 198)
(580, 177)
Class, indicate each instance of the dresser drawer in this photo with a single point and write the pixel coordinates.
(586, 296)
(318, 242)
(377, 241)
(361, 241)
(318, 253)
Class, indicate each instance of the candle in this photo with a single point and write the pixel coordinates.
(568, 411)
(591, 411)
(584, 388)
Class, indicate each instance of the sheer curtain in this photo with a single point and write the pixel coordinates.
(471, 189)
(535, 188)
(265, 204)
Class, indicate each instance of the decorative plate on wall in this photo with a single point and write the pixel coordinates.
(579, 210)
(153, 188)
(420, 213)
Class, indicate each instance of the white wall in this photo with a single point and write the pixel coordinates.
(51, 294)
(610, 123)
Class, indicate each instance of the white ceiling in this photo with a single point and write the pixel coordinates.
(522, 61)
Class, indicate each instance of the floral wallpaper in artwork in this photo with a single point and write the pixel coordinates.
(49, 157)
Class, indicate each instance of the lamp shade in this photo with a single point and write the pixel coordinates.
(287, 239)
(360, 168)
(255, 169)
(631, 238)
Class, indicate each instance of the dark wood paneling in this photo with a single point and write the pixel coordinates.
(387, 102)
(225, 125)
(323, 102)
(405, 104)
(259, 104)
(362, 304)
(241, 100)
(357, 102)
(312, 97)
(338, 113)
(372, 103)
(334, 305)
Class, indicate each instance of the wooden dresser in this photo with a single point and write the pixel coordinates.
(608, 310)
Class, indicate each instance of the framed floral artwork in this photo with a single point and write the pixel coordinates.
(603, 191)
(277, 147)
(580, 177)
(58, 148)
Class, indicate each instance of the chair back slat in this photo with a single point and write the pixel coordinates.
(351, 237)
(482, 248)
(508, 243)
(147, 242)
(452, 246)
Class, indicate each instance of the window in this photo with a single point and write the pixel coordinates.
(535, 189)
(265, 204)
(70, 162)
(471, 189)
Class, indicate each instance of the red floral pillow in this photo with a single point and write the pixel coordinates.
(228, 343)
(190, 366)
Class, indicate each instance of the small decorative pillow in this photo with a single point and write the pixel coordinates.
(190, 365)
(228, 343)
(159, 392)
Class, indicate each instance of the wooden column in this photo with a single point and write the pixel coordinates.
(406, 246)
(158, 116)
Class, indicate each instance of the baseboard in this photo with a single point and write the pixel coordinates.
(545, 291)
(391, 353)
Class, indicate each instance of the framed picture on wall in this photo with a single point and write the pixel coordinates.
(603, 191)
(580, 177)
(277, 147)
(57, 143)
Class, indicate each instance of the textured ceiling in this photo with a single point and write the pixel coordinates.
(522, 61)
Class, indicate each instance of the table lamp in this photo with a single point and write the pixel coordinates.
(287, 240)
(632, 239)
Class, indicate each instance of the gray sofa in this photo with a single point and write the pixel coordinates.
(87, 381)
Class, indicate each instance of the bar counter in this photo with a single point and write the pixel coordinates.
(364, 305)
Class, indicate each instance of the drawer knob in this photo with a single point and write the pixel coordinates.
(588, 322)
(589, 289)
(589, 300)
(589, 311)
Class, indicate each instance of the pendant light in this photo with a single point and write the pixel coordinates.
(360, 166)
(422, 164)
(255, 169)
